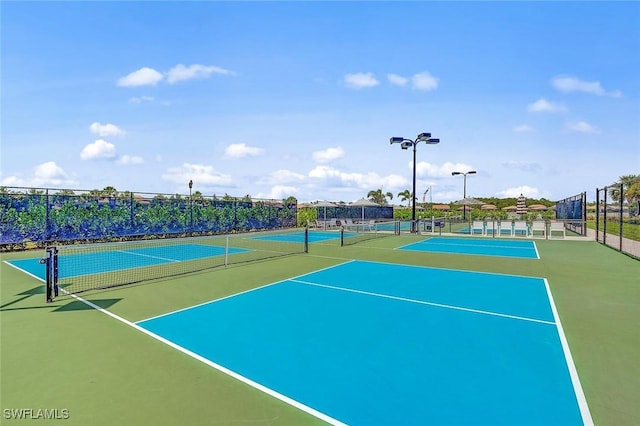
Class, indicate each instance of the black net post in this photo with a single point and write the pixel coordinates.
(51, 262)
(342, 236)
(306, 239)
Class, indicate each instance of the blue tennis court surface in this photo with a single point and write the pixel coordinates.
(129, 258)
(372, 343)
(298, 237)
(484, 247)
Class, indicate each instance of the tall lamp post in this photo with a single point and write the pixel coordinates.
(406, 144)
(464, 191)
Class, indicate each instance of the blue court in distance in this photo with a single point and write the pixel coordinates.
(476, 246)
(376, 343)
(298, 237)
(129, 258)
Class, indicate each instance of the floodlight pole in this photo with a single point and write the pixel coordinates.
(464, 190)
(405, 144)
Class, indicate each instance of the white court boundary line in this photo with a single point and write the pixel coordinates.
(23, 270)
(579, 393)
(238, 294)
(168, 259)
(438, 243)
(423, 302)
(404, 247)
(573, 371)
(218, 367)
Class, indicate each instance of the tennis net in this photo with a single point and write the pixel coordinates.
(77, 268)
(358, 232)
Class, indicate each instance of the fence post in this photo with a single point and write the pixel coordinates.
(621, 212)
(131, 224)
(604, 226)
(47, 220)
(584, 214)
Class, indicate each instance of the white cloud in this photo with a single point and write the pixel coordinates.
(142, 77)
(13, 181)
(196, 71)
(424, 81)
(141, 99)
(397, 80)
(333, 177)
(328, 155)
(568, 84)
(202, 176)
(130, 160)
(324, 172)
(582, 127)
(240, 150)
(360, 80)
(395, 181)
(280, 177)
(45, 174)
(98, 149)
(543, 105)
(49, 170)
(523, 128)
(149, 77)
(280, 192)
(525, 190)
(105, 129)
(427, 169)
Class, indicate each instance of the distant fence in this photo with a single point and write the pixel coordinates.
(573, 211)
(617, 220)
(40, 216)
(355, 212)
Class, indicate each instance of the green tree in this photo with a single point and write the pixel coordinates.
(291, 200)
(631, 184)
(405, 195)
(377, 196)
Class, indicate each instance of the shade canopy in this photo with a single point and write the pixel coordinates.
(469, 201)
(364, 202)
(324, 204)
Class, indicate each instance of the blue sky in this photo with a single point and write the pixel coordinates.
(274, 99)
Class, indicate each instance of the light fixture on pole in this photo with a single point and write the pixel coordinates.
(406, 144)
(464, 191)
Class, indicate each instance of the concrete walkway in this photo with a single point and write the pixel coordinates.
(627, 245)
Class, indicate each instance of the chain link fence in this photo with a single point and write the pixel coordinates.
(35, 217)
(616, 219)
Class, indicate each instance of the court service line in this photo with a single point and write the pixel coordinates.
(512, 247)
(237, 294)
(217, 366)
(147, 255)
(422, 302)
(407, 265)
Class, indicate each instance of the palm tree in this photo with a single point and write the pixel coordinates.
(631, 183)
(631, 187)
(378, 197)
(405, 195)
